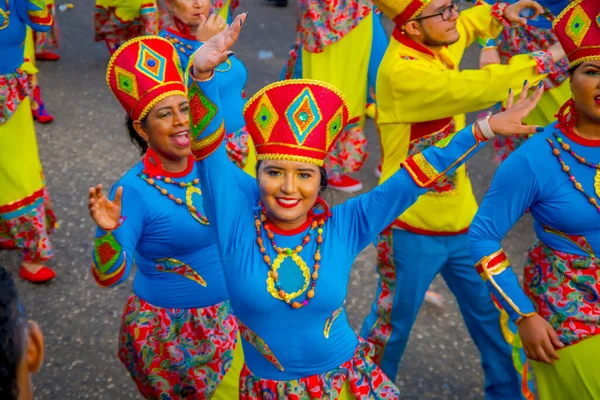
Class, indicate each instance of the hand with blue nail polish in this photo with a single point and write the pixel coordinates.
(510, 121)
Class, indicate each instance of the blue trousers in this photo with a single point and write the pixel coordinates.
(407, 264)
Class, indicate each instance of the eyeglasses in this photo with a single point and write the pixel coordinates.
(445, 13)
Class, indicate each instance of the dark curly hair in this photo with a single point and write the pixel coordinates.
(322, 186)
(134, 137)
(12, 335)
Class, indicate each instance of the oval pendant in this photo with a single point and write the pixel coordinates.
(597, 183)
(275, 266)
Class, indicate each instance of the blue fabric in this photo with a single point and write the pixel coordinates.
(296, 336)
(12, 38)
(417, 260)
(544, 189)
(378, 48)
(231, 75)
(554, 6)
(155, 228)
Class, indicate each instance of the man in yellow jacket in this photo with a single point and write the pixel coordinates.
(422, 97)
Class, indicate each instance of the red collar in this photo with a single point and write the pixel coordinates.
(408, 42)
(180, 29)
(153, 166)
(312, 215)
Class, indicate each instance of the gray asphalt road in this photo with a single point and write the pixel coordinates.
(87, 144)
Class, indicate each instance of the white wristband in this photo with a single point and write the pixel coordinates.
(484, 126)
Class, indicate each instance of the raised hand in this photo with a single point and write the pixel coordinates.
(539, 339)
(510, 121)
(104, 212)
(216, 49)
(513, 11)
(210, 26)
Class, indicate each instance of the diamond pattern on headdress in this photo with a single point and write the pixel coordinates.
(598, 20)
(334, 126)
(578, 25)
(202, 110)
(151, 64)
(265, 117)
(126, 82)
(106, 252)
(303, 115)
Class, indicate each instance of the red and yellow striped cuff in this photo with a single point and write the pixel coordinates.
(423, 173)
(492, 265)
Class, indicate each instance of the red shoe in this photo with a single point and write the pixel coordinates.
(47, 56)
(40, 115)
(44, 274)
(345, 184)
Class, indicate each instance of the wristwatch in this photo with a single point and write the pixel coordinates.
(484, 126)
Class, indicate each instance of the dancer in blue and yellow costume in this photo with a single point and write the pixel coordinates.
(178, 338)
(535, 36)
(192, 25)
(287, 255)
(556, 175)
(26, 218)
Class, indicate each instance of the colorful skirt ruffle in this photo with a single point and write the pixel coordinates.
(117, 21)
(573, 376)
(359, 378)
(565, 288)
(523, 40)
(181, 353)
(26, 216)
(48, 41)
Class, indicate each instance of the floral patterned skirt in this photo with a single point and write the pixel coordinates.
(565, 289)
(359, 378)
(181, 353)
(116, 21)
(26, 216)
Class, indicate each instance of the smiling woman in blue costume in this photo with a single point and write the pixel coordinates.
(178, 337)
(558, 310)
(192, 25)
(286, 255)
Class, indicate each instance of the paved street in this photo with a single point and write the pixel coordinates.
(87, 144)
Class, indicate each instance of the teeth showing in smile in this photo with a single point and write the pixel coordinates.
(180, 134)
(287, 201)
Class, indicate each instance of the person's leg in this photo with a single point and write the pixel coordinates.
(407, 263)
(483, 321)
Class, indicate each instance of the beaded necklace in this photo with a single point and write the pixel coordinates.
(273, 284)
(566, 121)
(4, 16)
(151, 174)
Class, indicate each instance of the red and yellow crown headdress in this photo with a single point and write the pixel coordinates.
(142, 72)
(296, 120)
(401, 11)
(577, 28)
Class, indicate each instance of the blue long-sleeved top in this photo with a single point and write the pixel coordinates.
(231, 76)
(176, 253)
(281, 342)
(23, 13)
(564, 220)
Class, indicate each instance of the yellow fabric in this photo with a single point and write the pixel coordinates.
(574, 376)
(224, 12)
(250, 167)
(345, 393)
(20, 167)
(28, 65)
(229, 388)
(125, 10)
(344, 64)
(416, 87)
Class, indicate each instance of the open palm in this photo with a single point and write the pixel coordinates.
(216, 50)
(104, 212)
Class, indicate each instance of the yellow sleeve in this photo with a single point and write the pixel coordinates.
(475, 23)
(424, 92)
